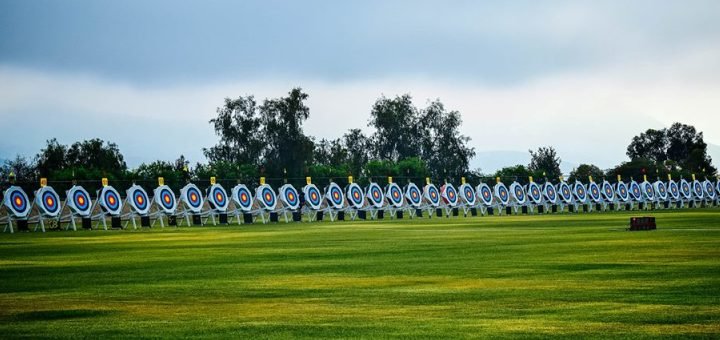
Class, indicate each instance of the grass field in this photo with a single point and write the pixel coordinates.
(524, 276)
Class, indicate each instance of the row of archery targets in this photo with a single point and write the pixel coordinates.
(264, 204)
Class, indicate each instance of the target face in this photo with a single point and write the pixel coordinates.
(565, 192)
(608, 191)
(48, 201)
(661, 190)
(191, 196)
(335, 195)
(432, 195)
(242, 197)
(165, 199)
(648, 191)
(518, 192)
(395, 195)
(697, 189)
(266, 196)
(355, 195)
(717, 186)
(709, 190)
(533, 190)
(138, 199)
(685, 189)
(580, 192)
(673, 190)
(110, 200)
(622, 192)
(485, 194)
(550, 192)
(217, 196)
(413, 195)
(79, 200)
(312, 196)
(502, 193)
(594, 192)
(289, 195)
(635, 191)
(449, 194)
(375, 195)
(17, 201)
(468, 194)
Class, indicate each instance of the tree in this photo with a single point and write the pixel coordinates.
(396, 128)
(513, 173)
(89, 159)
(650, 145)
(23, 169)
(443, 147)
(583, 171)
(239, 127)
(357, 146)
(545, 160)
(51, 158)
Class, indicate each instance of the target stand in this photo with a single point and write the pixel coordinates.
(414, 199)
(662, 195)
(534, 195)
(469, 201)
(314, 208)
(431, 203)
(698, 193)
(550, 195)
(636, 194)
(335, 202)
(376, 200)
(45, 207)
(267, 199)
(486, 199)
(218, 202)
(565, 196)
(609, 197)
(502, 195)
(623, 196)
(685, 193)
(138, 205)
(164, 206)
(191, 208)
(594, 195)
(356, 201)
(518, 198)
(395, 200)
(17, 208)
(289, 204)
(108, 205)
(580, 197)
(674, 198)
(710, 195)
(648, 195)
(450, 200)
(243, 207)
(79, 205)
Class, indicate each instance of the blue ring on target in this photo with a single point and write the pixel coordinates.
(375, 194)
(565, 192)
(193, 197)
(485, 194)
(433, 194)
(550, 192)
(594, 190)
(218, 196)
(140, 199)
(244, 197)
(661, 190)
(167, 198)
(18, 200)
(395, 194)
(111, 199)
(336, 195)
(413, 194)
(451, 194)
(81, 200)
(312, 196)
(355, 195)
(49, 200)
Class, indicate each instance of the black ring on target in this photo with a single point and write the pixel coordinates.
(433, 194)
(395, 194)
(594, 191)
(469, 194)
(111, 200)
(81, 200)
(414, 195)
(486, 194)
(698, 189)
(451, 194)
(355, 195)
(313, 196)
(244, 197)
(219, 196)
(140, 199)
(267, 196)
(167, 199)
(336, 195)
(18, 201)
(193, 197)
(49, 200)
(550, 192)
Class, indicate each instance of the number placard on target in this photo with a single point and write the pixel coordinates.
(501, 192)
(449, 194)
(685, 190)
(138, 199)
(335, 196)
(242, 197)
(165, 199)
(534, 192)
(191, 196)
(486, 196)
(79, 201)
(48, 201)
(518, 192)
(432, 194)
(355, 195)
(17, 202)
(550, 192)
(375, 195)
(217, 196)
(289, 196)
(313, 197)
(266, 196)
(394, 195)
(109, 199)
(413, 195)
(468, 194)
(608, 191)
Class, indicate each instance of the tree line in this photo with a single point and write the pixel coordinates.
(267, 139)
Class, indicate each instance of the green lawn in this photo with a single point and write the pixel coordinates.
(510, 276)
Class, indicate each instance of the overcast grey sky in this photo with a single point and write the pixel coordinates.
(581, 76)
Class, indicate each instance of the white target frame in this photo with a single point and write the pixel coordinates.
(648, 192)
(685, 190)
(17, 205)
(395, 199)
(165, 204)
(502, 194)
(518, 194)
(267, 199)
(110, 203)
(594, 192)
(674, 192)
(243, 202)
(79, 203)
(534, 193)
(709, 190)
(623, 194)
(48, 207)
(550, 193)
(565, 193)
(218, 201)
(137, 199)
(608, 193)
(313, 201)
(635, 191)
(661, 191)
(375, 195)
(468, 198)
(191, 203)
(698, 191)
(449, 196)
(290, 200)
(413, 195)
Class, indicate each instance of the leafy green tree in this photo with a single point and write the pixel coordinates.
(51, 158)
(86, 160)
(444, 148)
(23, 169)
(513, 173)
(544, 160)
(396, 128)
(357, 146)
(650, 145)
(583, 171)
(238, 125)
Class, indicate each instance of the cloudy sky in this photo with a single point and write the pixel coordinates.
(582, 76)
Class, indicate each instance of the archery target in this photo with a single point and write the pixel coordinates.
(413, 195)
(355, 195)
(335, 196)
(565, 192)
(622, 192)
(594, 192)
(648, 191)
(635, 191)
(709, 189)
(190, 194)
(608, 191)
(110, 200)
(697, 189)
(468, 194)
(502, 193)
(685, 189)
(517, 192)
(312, 196)
(289, 196)
(242, 197)
(579, 191)
(449, 194)
(394, 195)
(16, 200)
(673, 190)
(138, 199)
(550, 192)
(661, 190)
(717, 186)
(432, 194)
(48, 201)
(78, 200)
(217, 196)
(534, 192)
(375, 195)
(483, 190)
(165, 198)
(266, 196)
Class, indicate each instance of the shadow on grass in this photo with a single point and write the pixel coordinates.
(61, 314)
